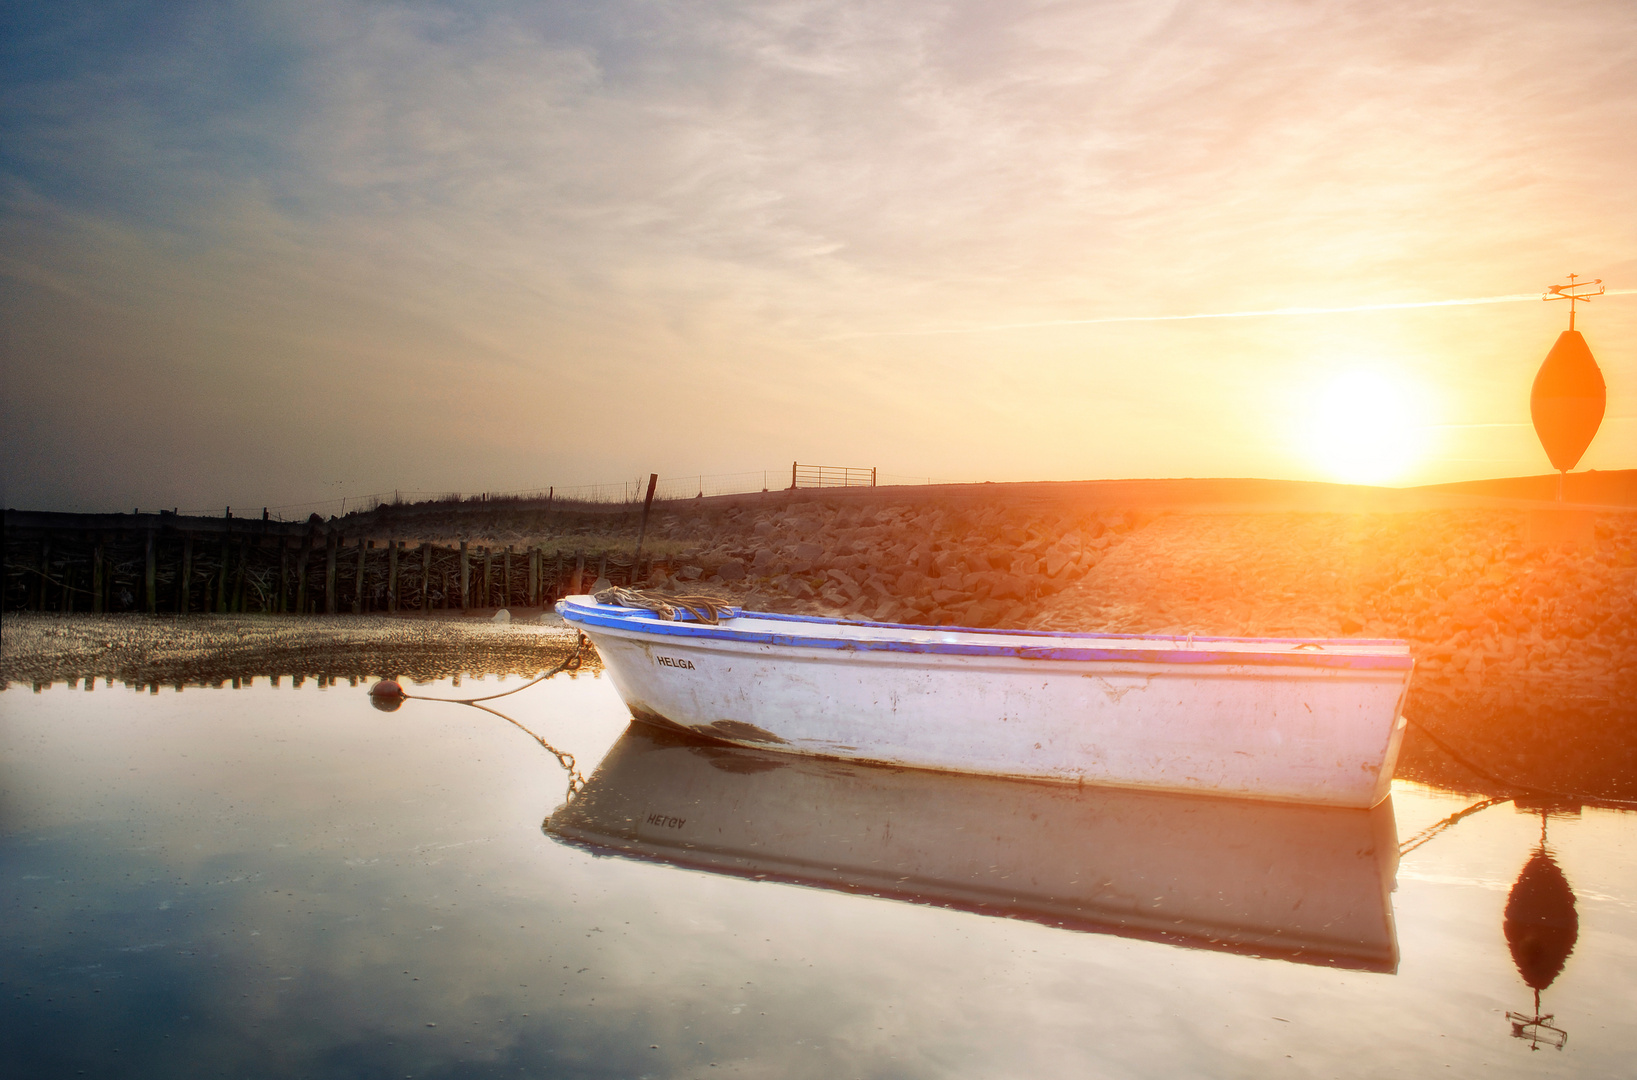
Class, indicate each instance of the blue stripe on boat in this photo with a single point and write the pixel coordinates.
(650, 623)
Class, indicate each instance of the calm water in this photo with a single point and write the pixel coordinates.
(275, 881)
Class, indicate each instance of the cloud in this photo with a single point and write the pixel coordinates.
(682, 209)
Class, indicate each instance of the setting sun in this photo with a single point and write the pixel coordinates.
(1367, 427)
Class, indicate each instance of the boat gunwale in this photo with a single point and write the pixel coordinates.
(642, 621)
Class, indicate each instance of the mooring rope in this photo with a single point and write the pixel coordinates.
(707, 609)
(1514, 785)
(392, 692)
(1434, 829)
(575, 780)
(571, 664)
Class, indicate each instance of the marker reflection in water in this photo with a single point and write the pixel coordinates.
(1541, 927)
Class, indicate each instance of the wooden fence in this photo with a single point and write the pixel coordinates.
(167, 563)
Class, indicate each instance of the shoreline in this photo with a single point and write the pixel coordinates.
(40, 650)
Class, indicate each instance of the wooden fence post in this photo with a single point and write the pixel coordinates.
(184, 577)
(301, 572)
(332, 548)
(426, 578)
(238, 576)
(96, 579)
(642, 529)
(506, 577)
(465, 574)
(392, 576)
(284, 576)
(358, 580)
(150, 574)
(488, 577)
(576, 583)
(534, 577)
(221, 575)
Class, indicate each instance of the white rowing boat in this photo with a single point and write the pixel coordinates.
(1298, 720)
(1312, 884)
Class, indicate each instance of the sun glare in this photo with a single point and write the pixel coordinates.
(1367, 427)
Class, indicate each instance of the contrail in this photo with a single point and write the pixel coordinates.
(1511, 298)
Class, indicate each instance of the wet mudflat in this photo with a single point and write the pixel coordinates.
(282, 881)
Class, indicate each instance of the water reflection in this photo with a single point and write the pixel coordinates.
(271, 883)
(1541, 926)
(1301, 883)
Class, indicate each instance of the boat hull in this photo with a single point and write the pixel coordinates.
(1321, 727)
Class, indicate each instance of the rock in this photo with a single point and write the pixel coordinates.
(689, 573)
(731, 570)
(845, 582)
(809, 551)
(1007, 587)
(763, 560)
(504, 616)
(890, 610)
(982, 613)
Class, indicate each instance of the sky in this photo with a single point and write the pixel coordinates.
(266, 254)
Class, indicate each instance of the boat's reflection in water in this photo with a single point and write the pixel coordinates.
(1303, 883)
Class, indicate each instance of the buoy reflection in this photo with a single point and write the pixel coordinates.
(1541, 927)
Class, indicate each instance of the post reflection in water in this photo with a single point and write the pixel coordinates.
(1541, 927)
(1302, 883)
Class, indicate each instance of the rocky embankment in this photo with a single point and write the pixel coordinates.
(1482, 609)
(969, 566)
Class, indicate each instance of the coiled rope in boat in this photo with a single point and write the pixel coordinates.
(706, 609)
